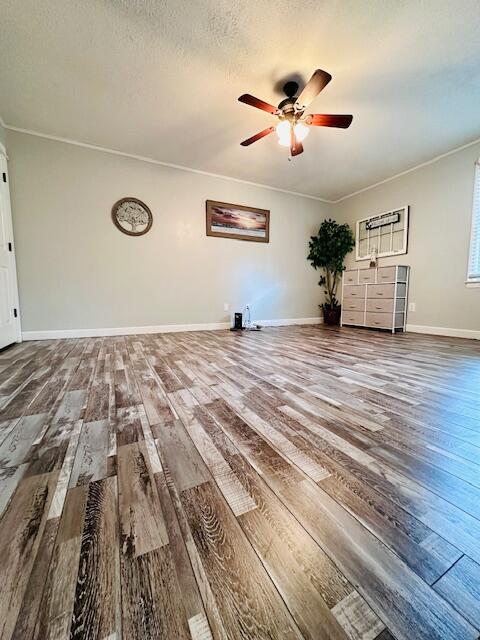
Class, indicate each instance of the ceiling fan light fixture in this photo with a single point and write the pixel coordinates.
(284, 133)
(301, 131)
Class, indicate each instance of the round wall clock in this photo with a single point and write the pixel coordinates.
(132, 216)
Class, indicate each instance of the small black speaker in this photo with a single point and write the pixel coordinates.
(238, 323)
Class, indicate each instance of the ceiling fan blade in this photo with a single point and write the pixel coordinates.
(326, 120)
(257, 136)
(317, 83)
(296, 148)
(259, 104)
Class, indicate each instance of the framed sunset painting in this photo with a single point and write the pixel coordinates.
(236, 221)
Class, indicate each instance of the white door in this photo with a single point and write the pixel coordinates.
(9, 321)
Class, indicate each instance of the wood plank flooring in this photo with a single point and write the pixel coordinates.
(298, 483)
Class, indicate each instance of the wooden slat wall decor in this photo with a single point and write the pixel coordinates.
(300, 483)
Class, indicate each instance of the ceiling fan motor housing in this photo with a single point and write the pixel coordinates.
(287, 107)
(290, 88)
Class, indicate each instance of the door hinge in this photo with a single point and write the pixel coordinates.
(15, 314)
(4, 175)
(9, 246)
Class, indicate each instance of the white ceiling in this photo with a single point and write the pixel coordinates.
(161, 79)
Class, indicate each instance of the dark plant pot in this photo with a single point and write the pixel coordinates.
(332, 316)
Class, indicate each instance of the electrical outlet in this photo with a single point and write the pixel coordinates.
(226, 306)
(412, 306)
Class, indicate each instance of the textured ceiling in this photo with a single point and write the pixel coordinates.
(161, 79)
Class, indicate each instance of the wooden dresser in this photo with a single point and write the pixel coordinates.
(376, 297)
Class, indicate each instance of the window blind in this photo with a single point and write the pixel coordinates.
(474, 261)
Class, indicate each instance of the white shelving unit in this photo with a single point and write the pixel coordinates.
(376, 297)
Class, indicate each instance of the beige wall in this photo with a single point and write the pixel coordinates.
(3, 136)
(77, 271)
(440, 198)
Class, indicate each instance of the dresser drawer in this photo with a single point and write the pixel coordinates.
(379, 305)
(354, 291)
(366, 275)
(381, 320)
(351, 304)
(381, 291)
(384, 320)
(386, 274)
(350, 276)
(353, 317)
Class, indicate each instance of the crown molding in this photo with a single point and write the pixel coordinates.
(170, 165)
(403, 173)
(179, 167)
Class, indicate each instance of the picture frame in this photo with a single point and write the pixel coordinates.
(132, 216)
(385, 233)
(237, 222)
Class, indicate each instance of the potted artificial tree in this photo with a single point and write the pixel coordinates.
(327, 251)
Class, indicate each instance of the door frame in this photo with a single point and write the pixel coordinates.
(13, 273)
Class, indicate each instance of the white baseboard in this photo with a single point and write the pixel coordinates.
(288, 321)
(120, 331)
(444, 331)
(161, 328)
(215, 326)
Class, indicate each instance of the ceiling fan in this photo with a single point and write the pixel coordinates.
(293, 125)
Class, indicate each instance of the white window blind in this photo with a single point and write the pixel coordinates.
(474, 260)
